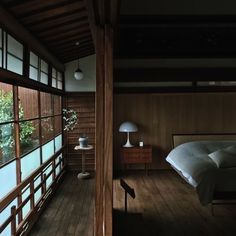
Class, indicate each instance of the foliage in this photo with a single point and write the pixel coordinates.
(70, 116)
(6, 131)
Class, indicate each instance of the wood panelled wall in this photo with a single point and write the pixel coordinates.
(84, 104)
(158, 116)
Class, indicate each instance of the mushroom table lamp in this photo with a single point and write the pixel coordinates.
(128, 127)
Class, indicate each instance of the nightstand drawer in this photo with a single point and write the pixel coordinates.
(130, 157)
(136, 155)
(146, 157)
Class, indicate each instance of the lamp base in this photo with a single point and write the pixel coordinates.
(128, 144)
(84, 175)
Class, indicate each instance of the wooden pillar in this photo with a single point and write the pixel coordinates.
(104, 134)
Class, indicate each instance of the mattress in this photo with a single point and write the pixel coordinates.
(191, 160)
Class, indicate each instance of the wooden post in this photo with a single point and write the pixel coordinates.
(104, 131)
(17, 145)
(99, 154)
(32, 195)
(13, 222)
(108, 162)
(102, 17)
(44, 183)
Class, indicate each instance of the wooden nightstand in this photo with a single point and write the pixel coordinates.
(136, 155)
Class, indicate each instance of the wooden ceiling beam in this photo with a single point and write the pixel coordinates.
(69, 59)
(64, 28)
(76, 52)
(67, 46)
(174, 89)
(74, 57)
(103, 12)
(70, 41)
(83, 35)
(174, 74)
(114, 12)
(80, 32)
(72, 50)
(52, 13)
(59, 21)
(25, 7)
(12, 25)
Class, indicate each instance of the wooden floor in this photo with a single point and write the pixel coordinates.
(71, 210)
(166, 205)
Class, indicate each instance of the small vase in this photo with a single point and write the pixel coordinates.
(83, 141)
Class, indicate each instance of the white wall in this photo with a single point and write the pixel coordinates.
(88, 83)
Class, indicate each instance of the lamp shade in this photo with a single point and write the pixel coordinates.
(78, 74)
(128, 127)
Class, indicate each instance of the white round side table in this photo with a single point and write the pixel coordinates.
(83, 174)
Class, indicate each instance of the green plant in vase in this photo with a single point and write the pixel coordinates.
(71, 118)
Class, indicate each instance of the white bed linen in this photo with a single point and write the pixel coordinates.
(191, 160)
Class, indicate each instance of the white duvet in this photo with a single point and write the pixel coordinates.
(192, 161)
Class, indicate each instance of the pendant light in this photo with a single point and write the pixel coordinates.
(78, 75)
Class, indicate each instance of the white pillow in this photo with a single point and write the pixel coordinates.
(224, 158)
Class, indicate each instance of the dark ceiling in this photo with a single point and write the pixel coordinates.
(58, 24)
(176, 36)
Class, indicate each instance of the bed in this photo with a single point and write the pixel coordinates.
(208, 163)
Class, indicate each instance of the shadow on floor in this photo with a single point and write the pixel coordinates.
(128, 224)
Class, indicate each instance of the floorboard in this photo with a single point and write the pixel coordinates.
(71, 210)
(166, 205)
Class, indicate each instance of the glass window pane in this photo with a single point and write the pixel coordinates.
(28, 103)
(57, 105)
(8, 172)
(0, 57)
(29, 136)
(6, 103)
(0, 38)
(47, 129)
(14, 64)
(58, 142)
(43, 78)
(46, 171)
(4, 215)
(54, 83)
(59, 76)
(46, 104)
(44, 66)
(30, 163)
(34, 60)
(59, 160)
(37, 181)
(7, 143)
(14, 47)
(59, 84)
(48, 150)
(33, 73)
(58, 170)
(54, 73)
(25, 194)
(57, 125)
(38, 194)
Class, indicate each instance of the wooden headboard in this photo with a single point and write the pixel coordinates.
(184, 138)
